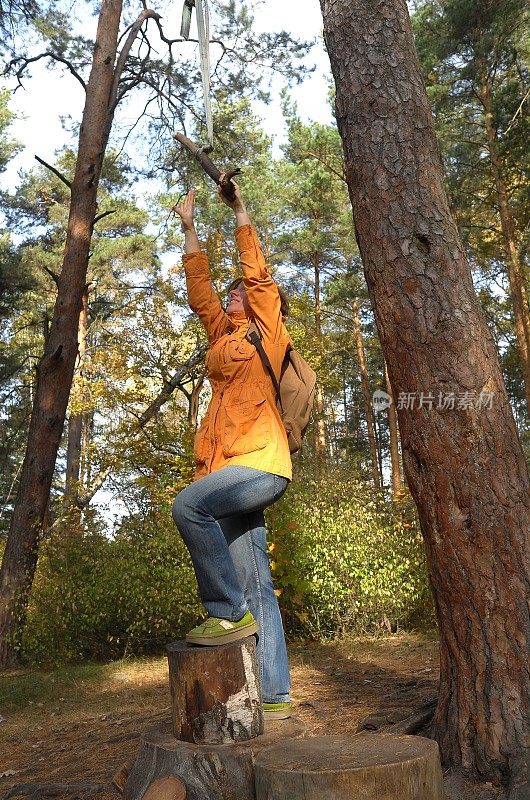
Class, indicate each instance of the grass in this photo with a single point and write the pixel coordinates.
(81, 685)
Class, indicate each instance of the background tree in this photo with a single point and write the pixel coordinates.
(112, 76)
(475, 60)
(464, 464)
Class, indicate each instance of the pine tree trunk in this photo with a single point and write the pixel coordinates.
(320, 425)
(464, 465)
(56, 368)
(394, 441)
(367, 397)
(75, 420)
(513, 257)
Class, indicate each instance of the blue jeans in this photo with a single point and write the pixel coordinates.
(220, 518)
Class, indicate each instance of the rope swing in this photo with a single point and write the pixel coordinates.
(200, 153)
(203, 35)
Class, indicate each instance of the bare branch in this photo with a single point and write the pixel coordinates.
(47, 54)
(152, 409)
(120, 64)
(53, 275)
(308, 154)
(517, 113)
(54, 170)
(166, 392)
(103, 214)
(36, 790)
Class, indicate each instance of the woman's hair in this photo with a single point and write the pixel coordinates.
(284, 301)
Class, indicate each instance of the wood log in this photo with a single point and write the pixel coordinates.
(166, 789)
(215, 692)
(209, 772)
(120, 777)
(371, 767)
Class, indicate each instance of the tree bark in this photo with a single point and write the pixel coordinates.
(464, 464)
(56, 368)
(75, 420)
(320, 424)
(367, 397)
(513, 257)
(394, 441)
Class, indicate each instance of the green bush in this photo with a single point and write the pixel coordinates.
(345, 561)
(95, 598)
(343, 558)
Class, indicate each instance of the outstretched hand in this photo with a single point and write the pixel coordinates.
(185, 210)
(237, 203)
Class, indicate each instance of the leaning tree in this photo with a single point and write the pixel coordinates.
(118, 65)
(463, 461)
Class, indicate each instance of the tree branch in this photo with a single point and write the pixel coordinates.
(103, 214)
(517, 113)
(54, 170)
(166, 392)
(120, 64)
(53, 275)
(308, 154)
(47, 54)
(152, 409)
(81, 790)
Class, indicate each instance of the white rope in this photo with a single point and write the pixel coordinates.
(203, 30)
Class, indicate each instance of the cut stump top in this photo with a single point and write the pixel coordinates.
(181, 646)
(337, 753)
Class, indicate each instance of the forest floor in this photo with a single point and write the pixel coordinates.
(79, 725)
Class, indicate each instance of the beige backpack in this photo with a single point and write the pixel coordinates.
(295, 390)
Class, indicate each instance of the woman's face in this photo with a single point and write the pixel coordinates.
(238, 300)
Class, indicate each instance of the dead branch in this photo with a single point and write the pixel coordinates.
(166, 392)
(152, 409)
(309, 154)
(120, 64)
(53, 275)
(416, 721)
(410, 725)
(54, 170)
(26, 61)
(103, 214)
(517, 113)
(82, 791)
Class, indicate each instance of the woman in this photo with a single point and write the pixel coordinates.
(243, 462)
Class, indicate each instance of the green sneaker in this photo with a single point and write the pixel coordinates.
(276, 710)
(221, 631)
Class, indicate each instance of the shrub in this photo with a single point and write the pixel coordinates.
(95, 598)
(345, 561)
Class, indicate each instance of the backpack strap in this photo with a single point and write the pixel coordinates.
(253, 336)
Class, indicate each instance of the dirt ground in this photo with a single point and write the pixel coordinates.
(71, 727)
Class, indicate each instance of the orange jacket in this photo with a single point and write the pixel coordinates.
(242, 425)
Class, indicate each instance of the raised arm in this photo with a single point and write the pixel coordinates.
(262, 292)
(202, 298)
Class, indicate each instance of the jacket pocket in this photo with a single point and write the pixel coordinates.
(247, 427)
(240, 350)
(201, 445)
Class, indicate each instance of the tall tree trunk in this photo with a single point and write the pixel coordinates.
(193, 400)
(56, 368)
(320, 424)
(513, 257)
(75, 420)
(464, 464)
(395, 468)
(367, 397)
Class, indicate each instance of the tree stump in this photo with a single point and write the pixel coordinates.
(215, 692)
(166, 789)
(209, 772)
(372, 767)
